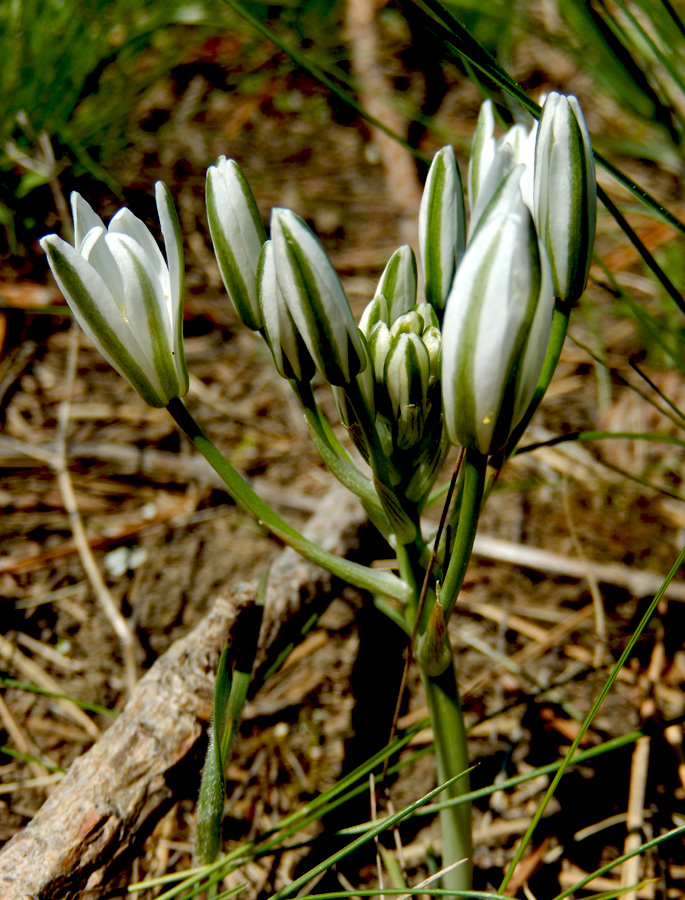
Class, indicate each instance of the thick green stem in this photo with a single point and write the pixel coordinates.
(452, 758)
(475, 465)
(449, 733)
(356, 574)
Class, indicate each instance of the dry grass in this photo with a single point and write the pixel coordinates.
(520, 627)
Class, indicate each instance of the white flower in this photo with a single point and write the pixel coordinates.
(442, 230)
(492, 160)
(398, 283)
(565, 193)
(316, 299)
(127, 299)
(291, 357)
(237, 234)
(495, 332)
(482, 151)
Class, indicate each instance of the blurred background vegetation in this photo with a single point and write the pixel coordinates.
(76, 71)
(79, 79)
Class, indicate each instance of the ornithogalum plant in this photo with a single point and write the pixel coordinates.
(465, 365)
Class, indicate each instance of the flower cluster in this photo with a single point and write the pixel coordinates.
(464, 364)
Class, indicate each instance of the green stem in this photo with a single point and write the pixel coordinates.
(475, 465)
(451, 751)
(361, 576)
(452, 758)
(338, 461)
(402, 524)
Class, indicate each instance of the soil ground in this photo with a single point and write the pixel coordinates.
(319, 717)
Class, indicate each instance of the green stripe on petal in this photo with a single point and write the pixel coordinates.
(96, 325)
(441, 226)
(237, 234)
(143, 299)
(316, 299)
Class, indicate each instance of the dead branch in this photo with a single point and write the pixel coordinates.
(112, 796)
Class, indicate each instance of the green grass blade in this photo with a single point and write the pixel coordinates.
(27, 758)
(386, 823)
(665, 281)
(301, 60)
(56, 695)
(621, 859)
(588, 721)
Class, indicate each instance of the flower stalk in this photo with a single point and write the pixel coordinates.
(356, 574)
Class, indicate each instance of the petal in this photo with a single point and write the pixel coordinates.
(536, 341)
(315, 298)
(95, 251)
(507, 197)
(503, 162)
(173, 244)
(85, 218)
(125, 223)
(146, 310)
(565, 193)
(442, 231)
(517, 138)
(375, 312)
(100, 317)
(291, 357)
(398, 283)
(237, 234)
(482, 151)
(487, 323)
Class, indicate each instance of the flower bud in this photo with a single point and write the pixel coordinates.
(407, 372)
(316, 299)
(522, 142)
(375, 312)
(495, 332)
(442, 232)
(409, 323)
(398, 282)
(565, 194)
(378, 343)
(237, 234)
(507, 196)
(291, 357)
(127, 299)
(432, 644)
(432, 339)
(428, 316)
(482, 151)
(502, 164)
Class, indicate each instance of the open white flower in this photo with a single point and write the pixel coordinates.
(127, 299)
